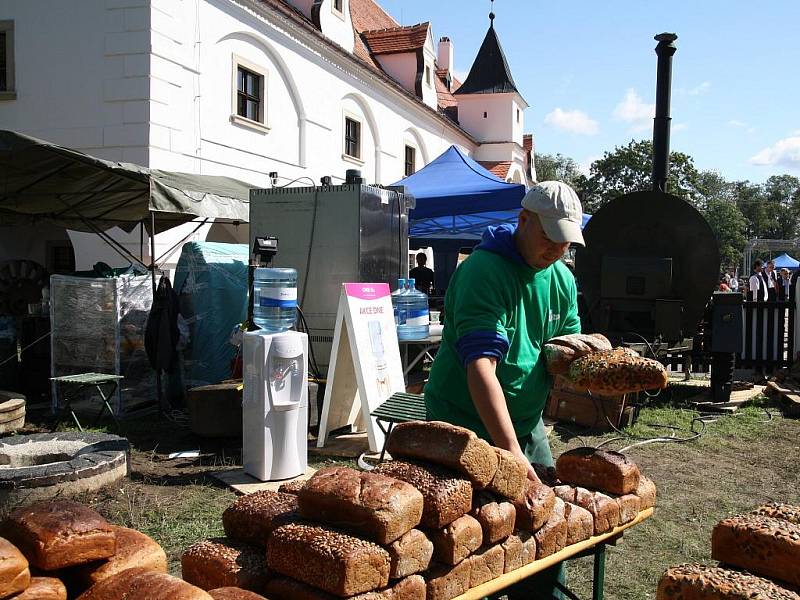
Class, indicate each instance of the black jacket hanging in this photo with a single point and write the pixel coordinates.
(161, 335)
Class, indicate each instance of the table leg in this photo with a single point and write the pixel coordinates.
(387, 433)
(599, 572)
(105, 405)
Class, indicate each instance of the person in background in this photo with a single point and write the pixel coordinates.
(733, 281)
(757, 285)
(422, 274)
(770, 277)
(723, 286)
(784, 285)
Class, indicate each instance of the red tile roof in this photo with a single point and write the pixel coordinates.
(397, 39)
(366, 15)
(497, 167)
(527, 142)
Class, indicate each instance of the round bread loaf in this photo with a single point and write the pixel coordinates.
(44, 588)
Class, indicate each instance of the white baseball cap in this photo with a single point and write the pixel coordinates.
(559, 211)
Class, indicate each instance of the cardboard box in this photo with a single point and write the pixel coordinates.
(570, 405)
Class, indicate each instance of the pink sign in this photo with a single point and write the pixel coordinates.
(367, 291)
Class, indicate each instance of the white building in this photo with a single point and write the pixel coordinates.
(245, 88)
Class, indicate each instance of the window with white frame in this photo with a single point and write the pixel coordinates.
(427, 75)
(7, 86)
(411, 161)
(338, 5)
(352, 137)
(249, 94)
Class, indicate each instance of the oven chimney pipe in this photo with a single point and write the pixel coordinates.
(661, 124)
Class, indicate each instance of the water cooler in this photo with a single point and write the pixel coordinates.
(275, 405)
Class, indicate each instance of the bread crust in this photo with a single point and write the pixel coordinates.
(535, 508)
(496, 518)
(252, 518)
(234, 593)
(221, 562)
(552, 536)
(141, 584)
(609, 472)
(44, 588)
(456, 541)
(410, 554)
(704, 582)
(15, 575)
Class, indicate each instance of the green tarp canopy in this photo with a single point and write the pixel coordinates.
(41, 181)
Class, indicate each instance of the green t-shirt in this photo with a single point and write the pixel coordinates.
(492, 293)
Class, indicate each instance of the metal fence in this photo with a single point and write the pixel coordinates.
(770, 334)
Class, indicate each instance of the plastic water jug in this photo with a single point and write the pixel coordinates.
(414, 304)
(399, 318)
(275, 299)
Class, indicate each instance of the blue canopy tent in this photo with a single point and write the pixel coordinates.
(785, 261)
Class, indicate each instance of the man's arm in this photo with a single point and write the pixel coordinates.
(490, 402)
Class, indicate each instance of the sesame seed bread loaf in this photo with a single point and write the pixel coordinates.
(496, 518)
(444, 582)
(511, 476)
(234, 593)
(252, 518)
(646, 492)
(15, 575)
(580, 523)
(284, 588)
(445, 495)
(535, 508)
(513, 557)
(447, 445)
(456, 541)
(376, 506)
(409, 554)
(60, 533)
(338, 563)
(618, 371)
(604, 510)
(609, 472)
(552, 536)
(762, 545)
(787, 512)
(141, 584)
(44, 588)
(561, 351)
(292, 487)
(220, 562)
(486, 564)
(134, 549)
(703, 582)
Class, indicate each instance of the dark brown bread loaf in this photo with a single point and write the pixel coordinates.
(609, 472)
(15, 575)
(409, 554)
(141, 584)
(528, 546)
(787, 512)
(561, 351)
(330, 560)
(617, 371)
(445, 495)
(762, 545)
(447, 445)
(456, 541)
(60, 533)
(376, 506)
(284, 588)
(252, 518)
(512, 548)
(444, 582)
(292, 487)
(511, 476)
(646, 492)
(535, 508)
(486, 564)
(580, 523)
(552, 537)
(43, 588)
(220, 562)
(604, 510)
(629, 505)
(496, 518)
(234, 593)
(134, 549)
(703, 582)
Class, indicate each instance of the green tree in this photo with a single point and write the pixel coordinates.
(749, 197)
(782, 196)
(729, 226)
(557, 168)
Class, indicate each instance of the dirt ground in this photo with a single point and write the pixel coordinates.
(739, 462)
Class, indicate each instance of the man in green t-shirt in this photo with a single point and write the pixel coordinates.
(503, 303)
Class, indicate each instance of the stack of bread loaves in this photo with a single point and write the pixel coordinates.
(764, 544)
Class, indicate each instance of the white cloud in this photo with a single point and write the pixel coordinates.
(634, 111)
(785, 152)
(585, 165)
(678, 127)
(700, 89)
(737, 123)
(574, 121)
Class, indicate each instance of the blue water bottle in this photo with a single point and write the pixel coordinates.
(274, 299)
(417, 315)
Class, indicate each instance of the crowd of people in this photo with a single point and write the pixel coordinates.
(766, 283)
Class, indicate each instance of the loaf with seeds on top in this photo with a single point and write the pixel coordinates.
(284, 588)
(776, 510)
(252, 518)
(618, 371)
(220, 562)
(704, 582)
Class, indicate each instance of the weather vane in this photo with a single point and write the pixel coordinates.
(491, 12)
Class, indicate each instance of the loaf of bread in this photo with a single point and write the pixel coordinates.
(629, 505)
(376, 506)
(580, 523)
(762, 545)
(141, 584)
(535, 508)
(546, 474)
(552, 536)
(456, 541)
(338, 563)
(284, 588)
(787, 512)
(646, 492)
(486, 564)
(444, 582)
(561, 351)
(609, 472)
(292, 487)
(220, 562)
(447, 445)
(15, 575)
(528, 546)
(511, 476)
(703, 582)
(409, 554)
(234, 593)
(445, 495)
(617, 371)
(252, 518)
(512, 550)
(43, 588)
(496, 518)
(604, 510)
(60, 533)
(134, 549)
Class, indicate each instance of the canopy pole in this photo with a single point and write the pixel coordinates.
(153, 279)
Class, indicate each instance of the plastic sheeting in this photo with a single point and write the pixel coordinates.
(211, 282)
(98, 326)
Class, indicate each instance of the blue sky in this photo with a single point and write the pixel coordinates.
(587, 68)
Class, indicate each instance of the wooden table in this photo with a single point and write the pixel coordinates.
(596, 543)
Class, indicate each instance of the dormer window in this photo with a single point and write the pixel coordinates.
(485, 114)
(517, 115)
(337, 5)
